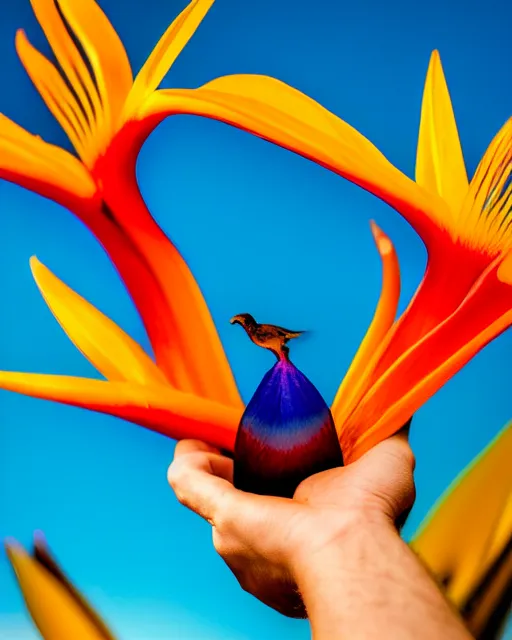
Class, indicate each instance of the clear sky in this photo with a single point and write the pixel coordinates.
(95, 485)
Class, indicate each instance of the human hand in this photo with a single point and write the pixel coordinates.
(264, 540)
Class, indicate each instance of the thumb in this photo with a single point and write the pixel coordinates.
(387, 472)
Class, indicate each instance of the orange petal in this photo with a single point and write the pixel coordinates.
(163, 56)
(354, 383)
(276, 112)
(440, 164)
(157, 407)
(452, 541)
(30, 162)
(452, 270)
(183, 335)
(425, 367)
(102, 342)
(484, 232)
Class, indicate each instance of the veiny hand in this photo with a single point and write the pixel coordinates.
(263, 539)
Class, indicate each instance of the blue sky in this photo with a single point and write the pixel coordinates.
(95, 485)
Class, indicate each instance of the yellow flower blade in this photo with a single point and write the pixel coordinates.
(276, 112)
(160, 408)
(353, 384)
(54, 91)
(100, 95)
(166, 51)
(440, 164)
(485, 217)
(455, 537)
(106, 54)
(489, 606)
(101, 341)
(68, 55)
(30, 162)
(502, 533)
(42, 555)
(55, 612)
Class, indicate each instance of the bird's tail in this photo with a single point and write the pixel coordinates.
(295, 334)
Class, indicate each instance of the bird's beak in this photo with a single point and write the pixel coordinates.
(235, 320)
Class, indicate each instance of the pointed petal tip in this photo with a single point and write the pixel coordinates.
(435, 61)
(34, 263)
(38, 270)
(14, 551)
(39, 540)
(19, 36)
(384, 244)
(375, 229)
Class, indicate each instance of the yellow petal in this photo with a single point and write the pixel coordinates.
(456, 536)
(353, 385)
(158, 407)
(165, 53)
(68, 56)
(56, 94)
(100, 95)
(502, 533)
(488, 607)
(105, 52)
(485, 217)
(102, 342)
(42, 556)
(440, 164)
(75, 70)
(276, 112)
(55, 612)
(30, 162)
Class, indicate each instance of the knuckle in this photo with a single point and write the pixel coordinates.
(219, 543)
(302, 492)
(224, 510)
(175, 474)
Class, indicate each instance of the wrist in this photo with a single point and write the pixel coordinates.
(329, 539)
(366, 568)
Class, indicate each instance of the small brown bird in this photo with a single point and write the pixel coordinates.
(268, 336)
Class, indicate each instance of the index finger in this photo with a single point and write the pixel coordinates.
(202, 482)
(184, 447)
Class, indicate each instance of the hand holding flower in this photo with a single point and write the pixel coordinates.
(336, 543)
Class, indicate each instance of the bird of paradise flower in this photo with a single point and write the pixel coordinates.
(472, 560)
(463, 302)
(190, 391)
